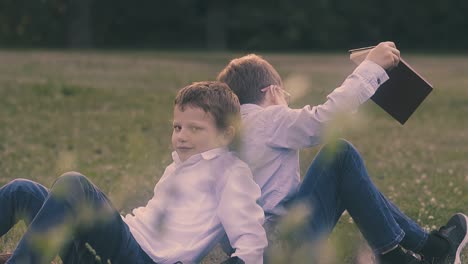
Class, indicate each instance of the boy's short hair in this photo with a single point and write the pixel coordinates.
(247, 75)
(213, 97)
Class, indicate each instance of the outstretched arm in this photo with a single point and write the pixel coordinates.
(299, 128)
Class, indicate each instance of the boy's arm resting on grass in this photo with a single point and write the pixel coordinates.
(240, 215)
(299, 128)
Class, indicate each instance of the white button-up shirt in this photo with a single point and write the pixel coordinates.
(195, 203)
(272, 136)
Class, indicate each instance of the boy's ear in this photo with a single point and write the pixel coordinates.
(272, 97)
(268, 99)
(229, 134)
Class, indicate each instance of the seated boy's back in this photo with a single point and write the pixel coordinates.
(273, 133)
(266, 160)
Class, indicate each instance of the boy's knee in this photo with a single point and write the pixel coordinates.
(70, 177)
(71, 174)
(26, 188)
(338, 146)
(338, 150)
(21, 184)
(70, 183)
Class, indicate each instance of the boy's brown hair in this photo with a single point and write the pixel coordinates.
(247, 75)
(213, 97)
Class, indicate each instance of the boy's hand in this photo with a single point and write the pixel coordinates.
(385, 54)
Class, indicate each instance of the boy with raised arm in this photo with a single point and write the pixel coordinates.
(337, 179)
(205, 193)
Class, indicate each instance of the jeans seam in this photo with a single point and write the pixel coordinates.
(389, 245)
(398, 238)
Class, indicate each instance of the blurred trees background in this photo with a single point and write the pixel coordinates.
(239, 25)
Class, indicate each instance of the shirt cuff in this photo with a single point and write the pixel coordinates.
(372, 73)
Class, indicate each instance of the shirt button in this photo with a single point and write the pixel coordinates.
(378, 80)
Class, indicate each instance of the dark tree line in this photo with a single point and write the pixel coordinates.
(240, 24)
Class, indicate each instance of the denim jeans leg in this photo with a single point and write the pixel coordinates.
(337, 180)
(78, 222)
(78, 252)
(415, 236)
(20, 199)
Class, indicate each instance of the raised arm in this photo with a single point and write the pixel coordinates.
(299, 128)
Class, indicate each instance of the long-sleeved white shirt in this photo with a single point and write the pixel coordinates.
(195, 203)
(272, 136)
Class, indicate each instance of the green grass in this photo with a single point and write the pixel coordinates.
(107, 115)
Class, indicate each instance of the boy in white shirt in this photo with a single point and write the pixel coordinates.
(337, 179)
(205, 193)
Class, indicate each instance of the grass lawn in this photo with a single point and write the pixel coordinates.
(108, 115)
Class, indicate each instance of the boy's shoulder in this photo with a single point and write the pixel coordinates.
(232, 170)
(230, 161)
(268, 113)
(228, 165)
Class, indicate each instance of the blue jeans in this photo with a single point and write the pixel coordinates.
(74, 219)
(337, 180)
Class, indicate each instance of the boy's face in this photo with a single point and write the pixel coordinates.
(195, 131)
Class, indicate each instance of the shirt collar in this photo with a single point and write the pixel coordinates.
(248, 108)
(207, 155)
